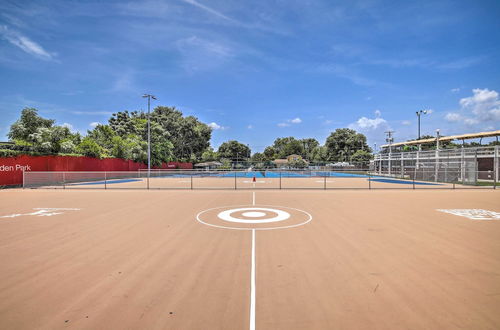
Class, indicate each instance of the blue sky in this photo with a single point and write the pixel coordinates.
(257, 70)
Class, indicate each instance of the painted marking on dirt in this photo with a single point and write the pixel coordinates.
(206, 217)
(41, 212)
(280, 215)
(254, 182)
(327, 181)
(253, 198)
(252, 285)
(473, 214)
(253, 214)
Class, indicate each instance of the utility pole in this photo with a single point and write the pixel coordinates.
(390, 139)
(149, 97)
(419, 113)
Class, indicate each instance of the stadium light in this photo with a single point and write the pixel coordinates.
(149, 96)
(419, 113)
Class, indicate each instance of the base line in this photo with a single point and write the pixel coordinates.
(252, 285)
(253, 198)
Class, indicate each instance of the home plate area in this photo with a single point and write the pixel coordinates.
(259, 217)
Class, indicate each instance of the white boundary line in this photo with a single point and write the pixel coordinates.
(253, 198)
(252, 285)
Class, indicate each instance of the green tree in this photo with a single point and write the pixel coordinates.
(361, 157)
(28, 124)
(259, 157)
(309, 146)
(209, 155)
(319, 154)
(288, 146)
(234, 150)
(343, 143)
(270, 153)
(89, 147)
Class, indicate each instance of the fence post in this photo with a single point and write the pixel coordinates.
(64, 180)
(191, 181)
(496, 167)
(369, 180)
(149, 173)
(413, 183)
(23, 180)
(235, 186)
(280, 179)
(106, 181)
(324, 187)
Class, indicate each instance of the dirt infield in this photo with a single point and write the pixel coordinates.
(355, 259)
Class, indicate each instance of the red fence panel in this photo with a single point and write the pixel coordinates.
(11, 168)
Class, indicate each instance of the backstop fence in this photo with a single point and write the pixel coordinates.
(424, 178)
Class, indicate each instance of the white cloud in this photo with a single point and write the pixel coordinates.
(406, 123)
(371, 124)
(482, 107)
(215, 126)
(250, 126)
(453, 117)
(94, 124)
(289, 122)
(455, 90)
(365, 123)
(24, 43)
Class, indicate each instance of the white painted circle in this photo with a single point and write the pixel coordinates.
(307, 220)
(226, 215)
(253, 214)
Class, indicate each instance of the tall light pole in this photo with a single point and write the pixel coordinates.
(149, 96)
(419, 113)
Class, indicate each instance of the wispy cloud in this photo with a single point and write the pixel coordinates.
(210, 10)
(27, 45)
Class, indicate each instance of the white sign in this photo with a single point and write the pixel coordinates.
(474, 214)
(41, 212)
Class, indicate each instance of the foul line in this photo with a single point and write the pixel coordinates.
(252, 285)
(253, 198)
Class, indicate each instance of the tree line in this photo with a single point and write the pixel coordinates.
(174, 137)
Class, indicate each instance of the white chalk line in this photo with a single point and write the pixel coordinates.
(253, 198)
(252, 285)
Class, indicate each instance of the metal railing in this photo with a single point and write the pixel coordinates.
(421, 178)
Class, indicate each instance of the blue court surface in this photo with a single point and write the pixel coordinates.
(266, 174)
(107, 182)
(404, 182)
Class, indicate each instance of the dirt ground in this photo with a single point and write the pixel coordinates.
(138, 259)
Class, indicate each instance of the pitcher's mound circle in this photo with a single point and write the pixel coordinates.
(259, 217)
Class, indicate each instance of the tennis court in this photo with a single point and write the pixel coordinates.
(249, 259)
